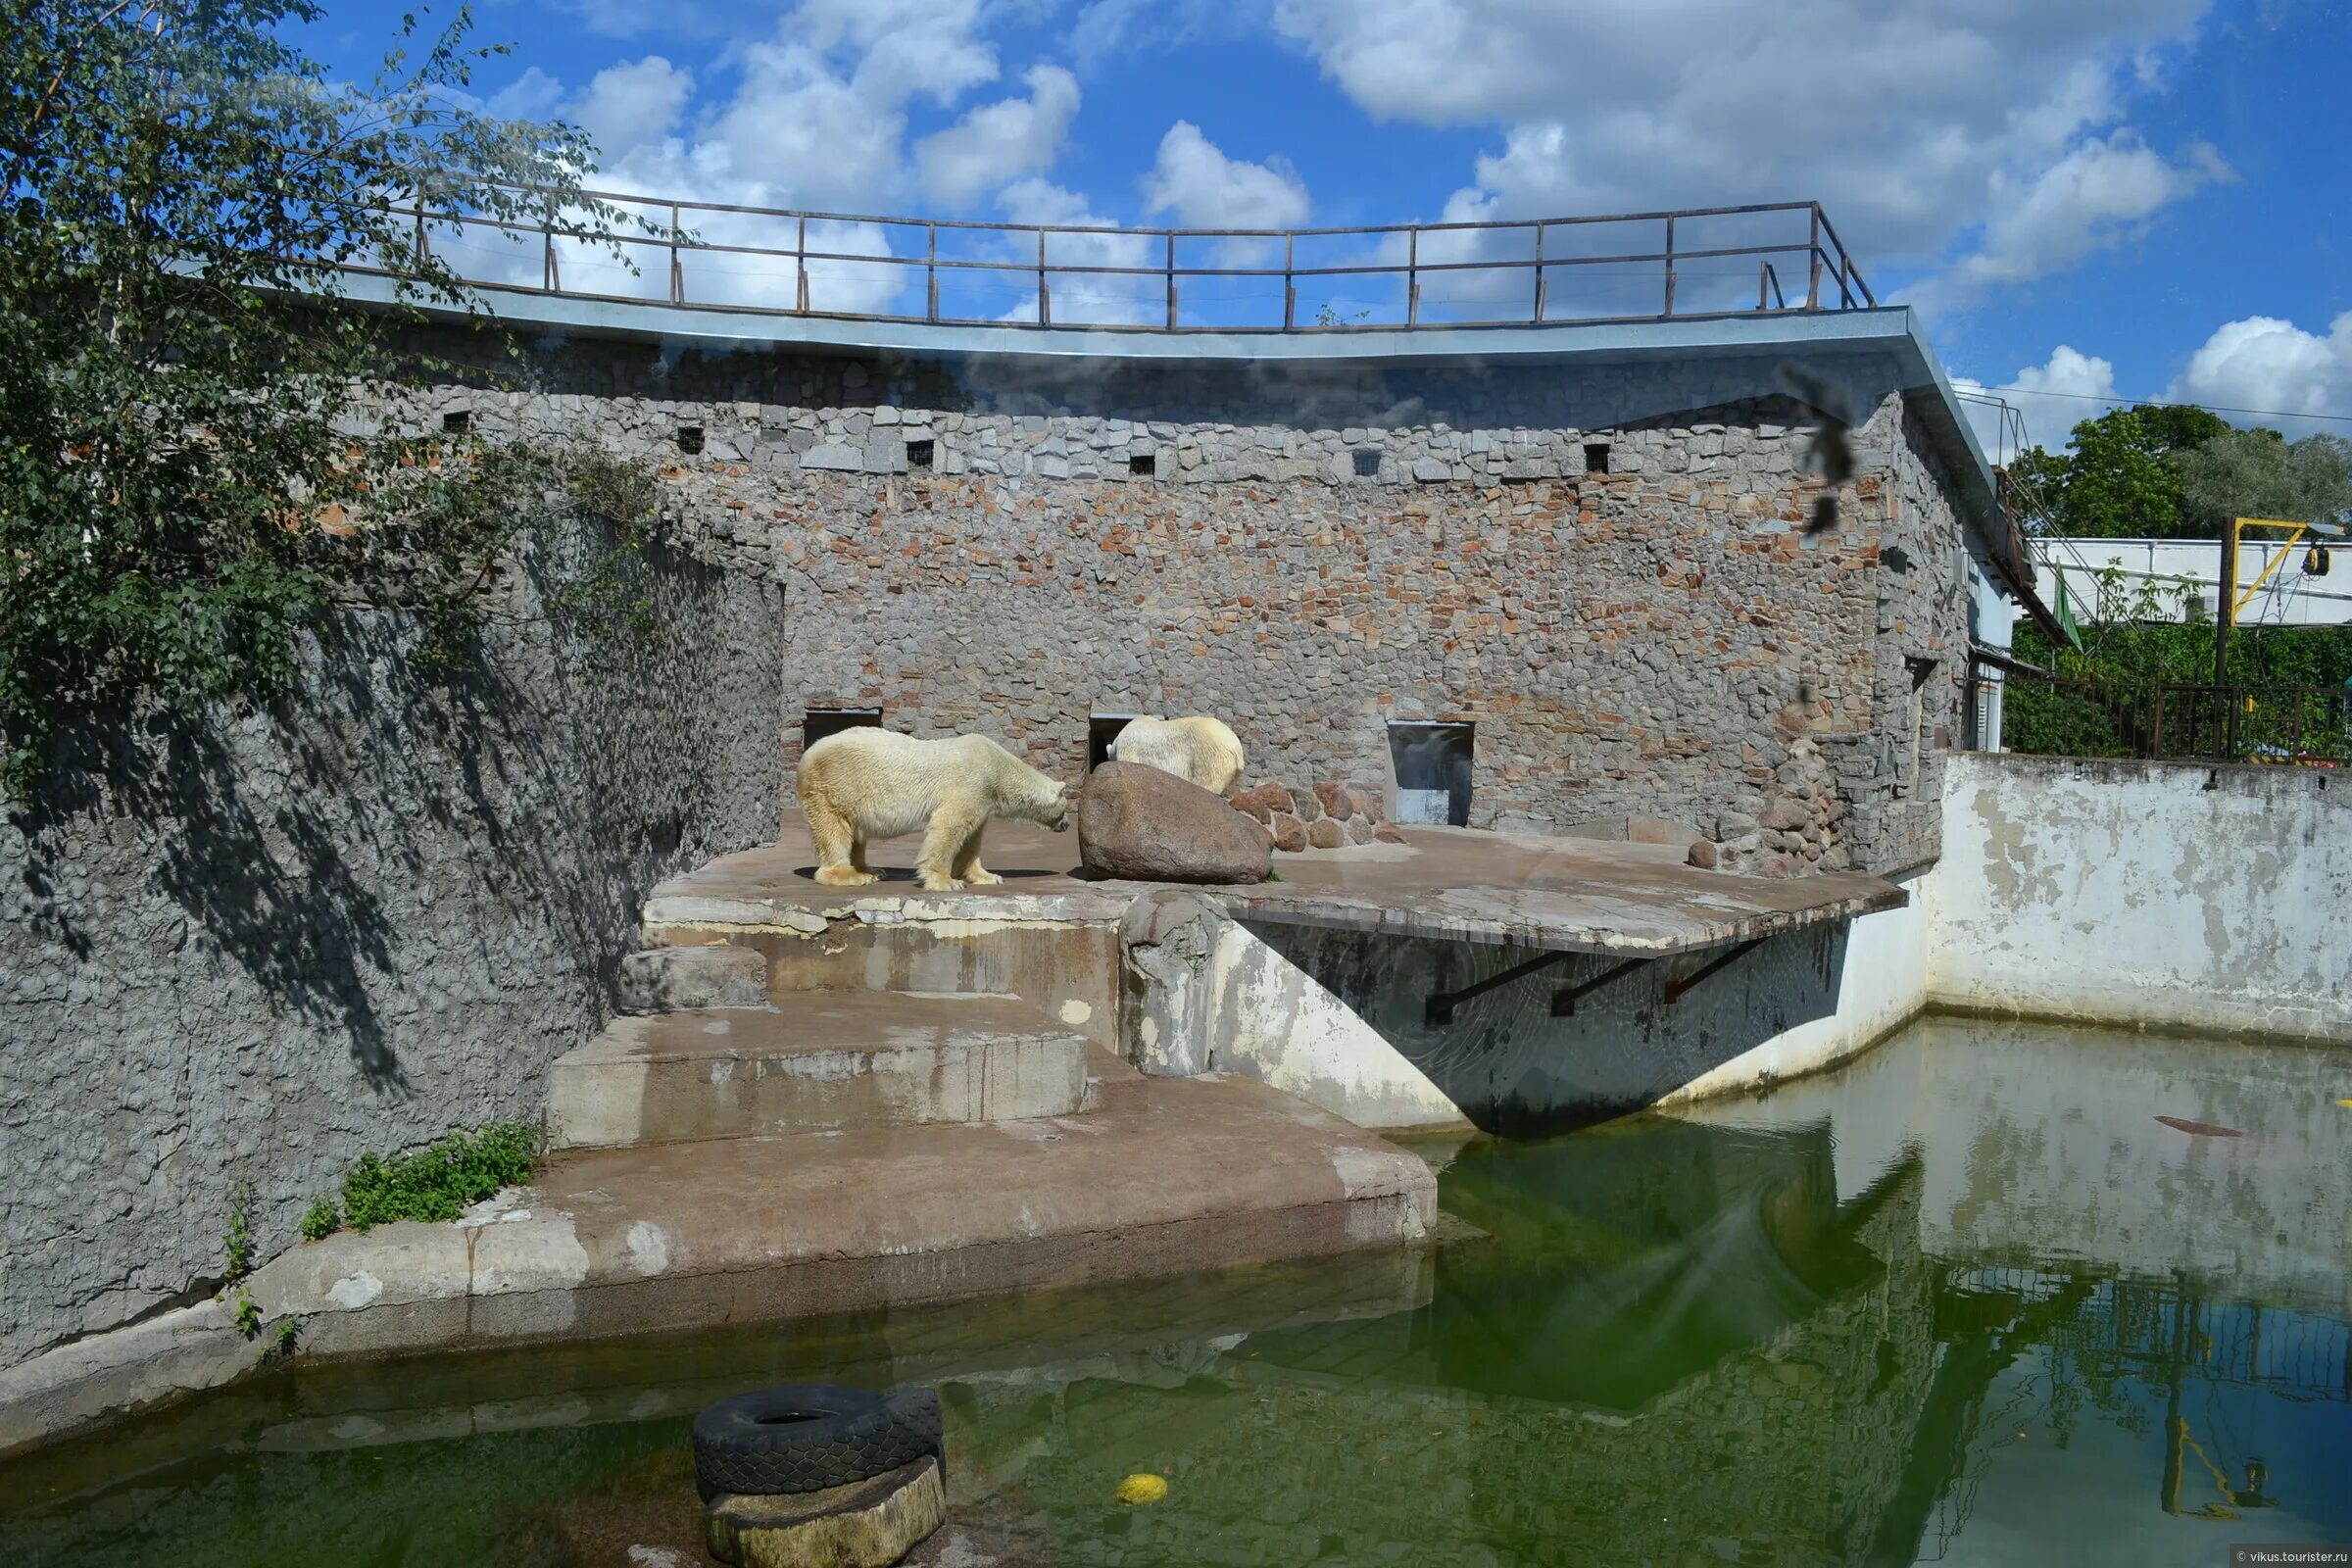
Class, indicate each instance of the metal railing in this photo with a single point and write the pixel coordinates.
(1410, 276)
(2042, 713)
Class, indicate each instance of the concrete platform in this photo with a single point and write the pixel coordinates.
(1165, 1177)
(838, 1060)
(1451, 884)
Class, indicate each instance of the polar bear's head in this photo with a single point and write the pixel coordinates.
(1049, 806)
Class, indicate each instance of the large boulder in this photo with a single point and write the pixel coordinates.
(1139, 824)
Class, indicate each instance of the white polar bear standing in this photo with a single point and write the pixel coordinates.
(1201, 749)
(860, 785)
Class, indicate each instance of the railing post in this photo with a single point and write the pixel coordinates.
(931, 276)
(424, 247)
(1412, 276)
(1172, 280)
(1290, 290)
(677, 269)
(1539, 274)
(547, 254)
(1813, 258)
(800, 266)
(1670, 264)
(1763, 276)
(1045, 299)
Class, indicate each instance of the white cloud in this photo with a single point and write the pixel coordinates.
(1105, 300)
(1206, 189)
(2050, 400)
(1105, 30)
(1913, 124)
(534, 95)
(997, 143)
(2264, 362)
(631, 105)
(2097, 192)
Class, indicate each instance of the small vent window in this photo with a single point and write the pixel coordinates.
(920, 454)
(1596, 457)
(690, 439)
(1367, 463)
(1143, 464)
(457, 422)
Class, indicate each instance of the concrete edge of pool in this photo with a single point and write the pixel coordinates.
(1166, 1176)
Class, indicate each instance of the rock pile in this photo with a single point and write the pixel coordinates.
(1326, 816)
(1796, 834)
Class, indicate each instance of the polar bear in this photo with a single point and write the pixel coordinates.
(860, 785)
(1200, 749)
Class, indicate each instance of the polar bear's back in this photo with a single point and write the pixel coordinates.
(1200, 749)
(888, 783)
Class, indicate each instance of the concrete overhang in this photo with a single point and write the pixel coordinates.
(1890, 334)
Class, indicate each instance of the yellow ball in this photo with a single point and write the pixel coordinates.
(1139, 1489)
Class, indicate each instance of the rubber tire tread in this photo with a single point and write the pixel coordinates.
(855, 1435)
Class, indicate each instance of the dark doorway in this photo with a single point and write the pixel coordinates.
(1101, 730)
(819, 722)
(1433, 773)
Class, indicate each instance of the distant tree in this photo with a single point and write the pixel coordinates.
(2256, 474)
(2119, 481)
(185, 451)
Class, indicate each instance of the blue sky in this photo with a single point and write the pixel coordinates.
(2095, 197)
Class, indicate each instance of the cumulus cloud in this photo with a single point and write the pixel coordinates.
(1096, 299)
(1206, 189)
(1912, 124)
(997, 143)
(629, 107)
(2049, 399)
(2264, 362)
(2096, 193)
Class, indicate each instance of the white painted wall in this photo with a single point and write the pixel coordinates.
(2146, 892)
(1881, 985)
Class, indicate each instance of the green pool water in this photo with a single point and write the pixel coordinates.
(1967, 1301)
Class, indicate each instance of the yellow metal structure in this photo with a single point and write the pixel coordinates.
(2295, 531)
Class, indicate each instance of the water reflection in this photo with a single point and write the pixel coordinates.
(1967, 1301)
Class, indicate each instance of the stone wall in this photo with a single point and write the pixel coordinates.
(1606, 572)
(249, 950)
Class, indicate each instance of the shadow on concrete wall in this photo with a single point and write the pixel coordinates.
(1517, 1070)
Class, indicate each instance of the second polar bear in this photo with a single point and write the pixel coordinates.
(860, 785)
(1201, 749)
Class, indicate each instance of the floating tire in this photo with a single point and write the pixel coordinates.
(812, 1436)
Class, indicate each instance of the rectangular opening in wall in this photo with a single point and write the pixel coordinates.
(1143, 464)
(457, 422)
(690, 439)
(920, 454)
(1596, 457)
(1367, 463)
(1433, 773)
(819, 722)
(1101, 730)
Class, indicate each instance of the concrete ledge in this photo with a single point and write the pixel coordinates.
(1170, 1176)
(839, 1059)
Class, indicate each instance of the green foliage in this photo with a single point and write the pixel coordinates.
(249, 1316)
(320, 1220)
(193, 467)
(236, 1242)
(436, 1183)
(2120, 482)
(2256, 474)
(289, 1332)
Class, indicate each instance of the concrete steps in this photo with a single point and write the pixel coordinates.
(832, 1060)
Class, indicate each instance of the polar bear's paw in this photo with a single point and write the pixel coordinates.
(982, 879)
(846, 876)
(936, 882)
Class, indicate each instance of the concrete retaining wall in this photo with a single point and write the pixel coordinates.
(250, 949)
(2171, 893)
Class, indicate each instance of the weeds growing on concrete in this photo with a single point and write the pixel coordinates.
(320, 1220)
(236, 1242)
(436, 1184)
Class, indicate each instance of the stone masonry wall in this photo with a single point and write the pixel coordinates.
(1606, 572)
(251, 950)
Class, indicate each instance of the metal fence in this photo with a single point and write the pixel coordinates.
(1698, 262)
(2042, 712)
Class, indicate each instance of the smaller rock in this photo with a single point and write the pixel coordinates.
(1326, 833)
(1359, 829)
(1389, 833)
(1289, 834)
(1344, 801)
(1262, 802)
(1304, 805)
(1783, 814)
(1706, 854)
